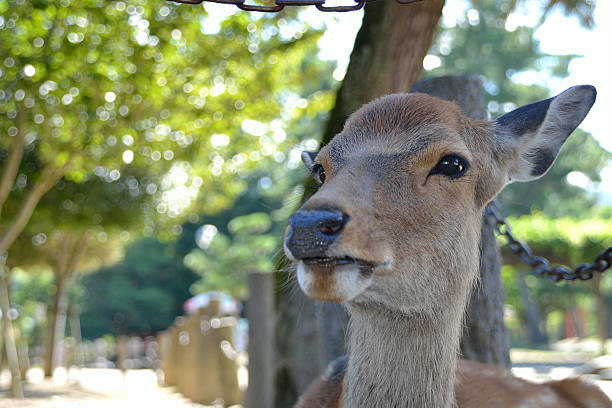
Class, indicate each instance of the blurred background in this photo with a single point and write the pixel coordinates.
(150, 157)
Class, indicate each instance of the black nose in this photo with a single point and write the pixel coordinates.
(312, 232)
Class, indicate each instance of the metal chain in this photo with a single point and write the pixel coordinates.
(541, 266)
(280, 4)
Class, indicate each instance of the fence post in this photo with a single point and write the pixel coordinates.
(260, 312)
(164, 339)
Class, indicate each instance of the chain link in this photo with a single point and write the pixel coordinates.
(280, 4)
(541, 266)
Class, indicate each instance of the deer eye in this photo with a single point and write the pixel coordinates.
(319, 173)
(451, 166)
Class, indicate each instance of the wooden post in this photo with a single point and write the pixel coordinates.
(260, 312)
(168, 353)
(209, 384)
(122, 353)
(226, 363)
(190, 358)
(164, 356)
(179, 354)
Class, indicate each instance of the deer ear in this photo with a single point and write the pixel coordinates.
(537, 131)
(308, 158)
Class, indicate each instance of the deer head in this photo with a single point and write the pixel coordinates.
(396, 219)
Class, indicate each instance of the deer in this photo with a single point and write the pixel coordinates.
(393, 233)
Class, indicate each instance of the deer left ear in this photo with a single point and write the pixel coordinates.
(308, 159)
(537, 131)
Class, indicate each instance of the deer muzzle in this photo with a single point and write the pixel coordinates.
(312, 232)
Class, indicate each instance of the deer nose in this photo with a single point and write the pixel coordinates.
(311, 232)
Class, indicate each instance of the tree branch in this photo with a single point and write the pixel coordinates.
(51, 175)
(62, 258)
(9, 173)
(76, 254)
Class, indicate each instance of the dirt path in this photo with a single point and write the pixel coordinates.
(95, 388)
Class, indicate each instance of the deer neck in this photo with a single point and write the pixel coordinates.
(399, 360)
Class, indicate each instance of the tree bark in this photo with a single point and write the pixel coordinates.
(387, 58)
(65, 265)
(75, 332)
(532, 314)
(8, 333)
(602, 315)
(58, 328)
(485, 338)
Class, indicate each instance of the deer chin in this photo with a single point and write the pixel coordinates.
(334, 279)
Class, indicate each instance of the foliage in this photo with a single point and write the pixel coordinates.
(140, 295)
(162, 115)
(141, 103)
(225, 260)
(30, 293)
(553, 194)
(581, 9)
(566, 241)
(482, 34)
(247, 237)
(479, 43)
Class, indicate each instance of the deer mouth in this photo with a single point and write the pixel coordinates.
(335, 261)
(328, 263)
(334, 279)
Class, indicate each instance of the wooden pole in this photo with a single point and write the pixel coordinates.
(260, 313)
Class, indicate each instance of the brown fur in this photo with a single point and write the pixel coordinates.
(326, 391)
(420, 231)
(488, 386)
(481, 385)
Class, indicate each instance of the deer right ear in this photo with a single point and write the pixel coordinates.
(537, 131)
(308, 158)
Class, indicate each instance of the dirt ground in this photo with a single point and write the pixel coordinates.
(94, 388)
(105, 388)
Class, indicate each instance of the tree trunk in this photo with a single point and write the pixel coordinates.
(387, 58)
(8, 333)
(485, 338)
(602, 318)
(532, 314)
(57, 327)
(65, 265)
(75, 332)
(23, 356)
